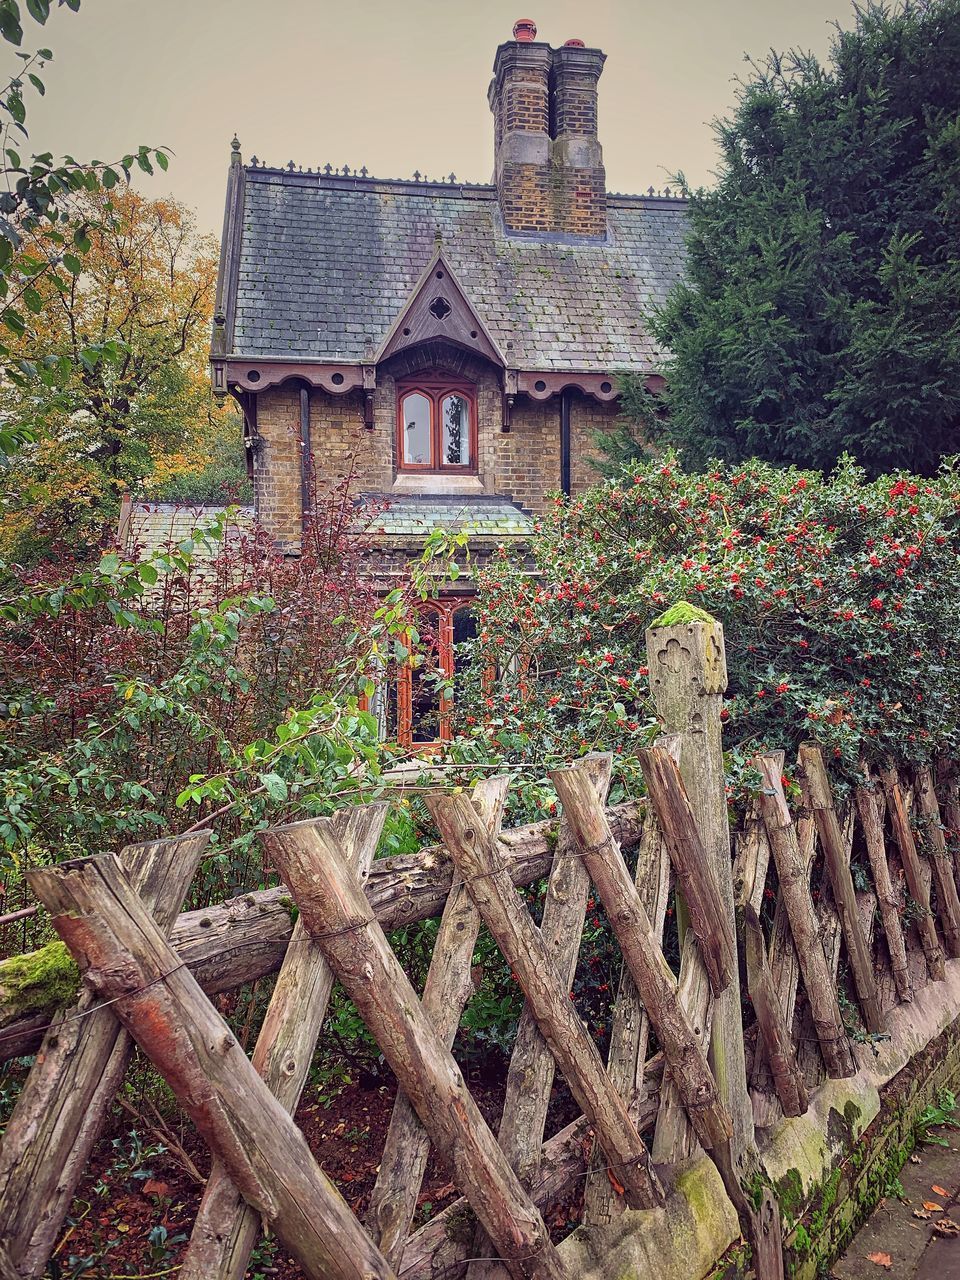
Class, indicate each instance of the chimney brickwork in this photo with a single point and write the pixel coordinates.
(548, 165)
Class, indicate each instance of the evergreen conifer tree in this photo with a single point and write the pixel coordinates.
(820, 313)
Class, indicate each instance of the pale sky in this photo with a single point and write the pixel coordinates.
(395, 85)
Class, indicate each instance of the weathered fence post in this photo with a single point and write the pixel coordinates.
(245, 937)
(940, 859)
(773, 1030)
(126, 959)
(643, 957)
(339, 917)
(868, 800)
(708, 954)
(916, 882)
(532, 1065)
(522, 945)
(688, 676)
(447, 989)
(226, 1228)
(819, 798)
(658, 988)
(694, 870)
(81, 1064)
(630, 1029)
(795, 892)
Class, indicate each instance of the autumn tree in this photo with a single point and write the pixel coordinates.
(42, 239)
(142, 298)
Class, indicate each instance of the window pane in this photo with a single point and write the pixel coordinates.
(415, 410)
(425, 699)
(456, 430)
(464, 631)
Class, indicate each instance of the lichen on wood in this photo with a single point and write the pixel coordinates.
(44, 979)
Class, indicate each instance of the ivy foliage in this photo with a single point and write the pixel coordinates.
(820, 313)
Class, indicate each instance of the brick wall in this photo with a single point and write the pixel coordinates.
(523, 464)
(587, 416)
(276, 468)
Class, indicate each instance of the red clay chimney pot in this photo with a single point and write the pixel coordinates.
(574, 44)
(524, 30)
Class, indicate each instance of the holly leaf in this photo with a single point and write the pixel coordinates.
(881, 1259)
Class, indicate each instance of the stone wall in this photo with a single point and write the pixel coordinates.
(828, 1168)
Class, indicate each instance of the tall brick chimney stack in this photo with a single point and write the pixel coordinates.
(577, 152)
(519, 98)
(548, 165)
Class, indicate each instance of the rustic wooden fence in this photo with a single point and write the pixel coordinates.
(714, 1081)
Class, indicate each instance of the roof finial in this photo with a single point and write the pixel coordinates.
(438, 238)
(235, 150)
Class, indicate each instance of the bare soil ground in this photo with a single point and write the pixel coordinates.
(134, 1212)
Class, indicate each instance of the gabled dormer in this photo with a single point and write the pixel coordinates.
(439, 309)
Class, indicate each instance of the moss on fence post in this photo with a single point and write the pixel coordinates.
(44, 979)
(680, 614)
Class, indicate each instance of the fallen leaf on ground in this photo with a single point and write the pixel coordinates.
(920, 1213)
(881, 1259)
(933, 1206)
(940, 1191)
(947, 1227)
(915, 1160)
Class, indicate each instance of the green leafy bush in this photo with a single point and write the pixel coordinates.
(838, 596)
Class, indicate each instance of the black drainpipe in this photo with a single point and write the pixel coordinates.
(565, 396)
(305, 458)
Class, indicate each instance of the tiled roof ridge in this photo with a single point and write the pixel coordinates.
(329, 178)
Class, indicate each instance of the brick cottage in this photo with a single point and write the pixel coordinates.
(459, 341)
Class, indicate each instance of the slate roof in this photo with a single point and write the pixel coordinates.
(154, 525)
(321, 266)
(410, 519)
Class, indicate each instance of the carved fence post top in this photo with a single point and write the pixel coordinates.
(686, 644)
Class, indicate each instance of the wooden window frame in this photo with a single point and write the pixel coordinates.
(442, 612)
(434, 390)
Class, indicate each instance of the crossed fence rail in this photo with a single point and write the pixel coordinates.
(709, 1085)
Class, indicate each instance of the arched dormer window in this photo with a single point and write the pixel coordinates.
(436, 426)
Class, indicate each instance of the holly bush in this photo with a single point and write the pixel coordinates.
(838, 597)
